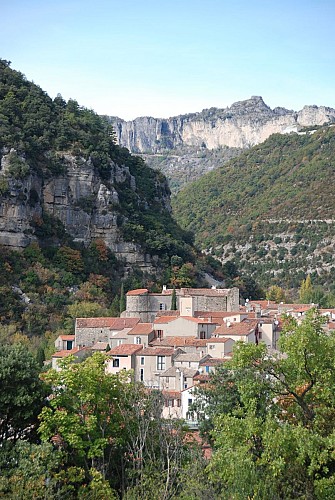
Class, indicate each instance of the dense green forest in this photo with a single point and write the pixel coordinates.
(270, 210)
(82, 433)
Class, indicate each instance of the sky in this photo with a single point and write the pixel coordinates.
(135, 58)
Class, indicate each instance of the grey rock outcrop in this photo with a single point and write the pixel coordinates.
(80, 199)
(241, 125)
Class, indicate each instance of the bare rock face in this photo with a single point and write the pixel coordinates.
(244, 124)
(79, 199)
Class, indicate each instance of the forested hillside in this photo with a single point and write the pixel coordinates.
(271, 209)
(49, 273)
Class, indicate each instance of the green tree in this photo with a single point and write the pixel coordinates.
(21, 394)
(174, 300)
(276, 294)
(281, 446)
(83, 416)
(122, 299)
(306, 290)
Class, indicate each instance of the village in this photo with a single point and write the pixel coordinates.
(171, 341)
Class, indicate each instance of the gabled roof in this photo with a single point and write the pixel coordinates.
(94, 322)
(171, 394)
(121, 323)
(99, 346)
(66, 337)
(138, 291)
(165, 319)
(64, 353)
(246, 327)
(142, 329)
(125, 350)
(212, 361)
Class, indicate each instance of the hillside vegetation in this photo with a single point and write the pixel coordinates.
(271, 209)
(44, 286)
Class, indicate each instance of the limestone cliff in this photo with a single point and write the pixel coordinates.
(87, 206)
(242, 125)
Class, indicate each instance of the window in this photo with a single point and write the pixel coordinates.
(162, 306)
(142, 360)
(211, 346)
(116, 363)
(119, 342)
(171, 403)
(137, 340)
(190, 401)
(178, 403)
(185, 385)
(159, 334)
(141, 375)
(160, 362)
(202, 334)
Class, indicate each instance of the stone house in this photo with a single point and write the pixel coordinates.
(122, 357)
(78, 353)
(88, 331)
(142, 333)
(187, 344)
(141, 303)
(246, 331)
(177, 379)
(184, 326)
(64, 342)
(220, 347)
(172, 404)
(151, 362)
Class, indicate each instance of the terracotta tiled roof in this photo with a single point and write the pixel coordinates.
(264, 303)
(138, 291)
(156, 351)
(180, 342)
(121, 323)
(171, 394)
(165, 319)
(64, 353)
(216, 314)
(99, 346)
(244, 328)
(67, 337)
(94, 322)
(217, 340)
(125, 349)
(141, 329)
(112, 323)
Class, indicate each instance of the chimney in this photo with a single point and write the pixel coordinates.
(164, 288)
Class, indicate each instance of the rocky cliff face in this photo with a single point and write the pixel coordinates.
(242, 125)
(86, 205)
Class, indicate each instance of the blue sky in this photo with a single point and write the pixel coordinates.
(137, 58)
